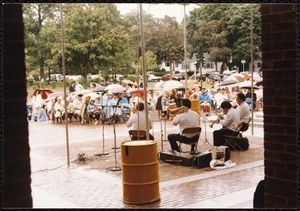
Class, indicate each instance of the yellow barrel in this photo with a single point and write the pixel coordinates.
(140, 172)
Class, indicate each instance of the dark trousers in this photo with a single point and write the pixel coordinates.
(142, 138)
(173, 138)
(218, 135)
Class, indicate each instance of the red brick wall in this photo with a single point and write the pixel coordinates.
(16, 185)
(280, 98)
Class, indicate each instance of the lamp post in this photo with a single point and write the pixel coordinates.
(185, 62)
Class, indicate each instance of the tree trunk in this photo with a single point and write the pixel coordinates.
(86, 70)
(41, 65)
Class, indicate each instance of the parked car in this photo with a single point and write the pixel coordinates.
(55, 77)
(215, 76)
(152, 77)
(167, 77)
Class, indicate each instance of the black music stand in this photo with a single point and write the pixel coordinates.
(116, 167)
(205, 121)
(103, 153)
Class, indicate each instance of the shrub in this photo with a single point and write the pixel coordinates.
(53, 84)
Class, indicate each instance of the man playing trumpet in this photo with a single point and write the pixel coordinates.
(229, 122)
(187, 118)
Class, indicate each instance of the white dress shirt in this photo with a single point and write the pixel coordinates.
(137, 121)
(231, 119)
(244, 112)
(186, 119)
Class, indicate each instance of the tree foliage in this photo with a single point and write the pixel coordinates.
(223, 30)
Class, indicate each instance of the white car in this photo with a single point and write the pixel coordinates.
(152, 77)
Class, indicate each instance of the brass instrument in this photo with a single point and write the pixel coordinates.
(217, 120)
(176, 111)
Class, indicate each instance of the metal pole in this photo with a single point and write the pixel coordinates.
(201, 72)
(185, 62)
(251, 68)
(64, 76)
(144, 71)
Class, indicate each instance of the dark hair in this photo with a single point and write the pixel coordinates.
(226, 104)
(241, 96)
(186, 103)
(140, 106)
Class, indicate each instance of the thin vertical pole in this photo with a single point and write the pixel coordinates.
(185, 62)
(64, 76)
(144, 71)
(251, 68)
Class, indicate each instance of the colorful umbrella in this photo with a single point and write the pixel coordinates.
(56, 94)
(137, 91)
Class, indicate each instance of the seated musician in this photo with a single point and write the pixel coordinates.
(243, 109)
(187, 118)
(229, 122)
(137, 121)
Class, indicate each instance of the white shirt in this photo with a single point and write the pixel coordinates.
(137, 121)
(219, 98)
(231, 119)
(244, 112)
(186, 119)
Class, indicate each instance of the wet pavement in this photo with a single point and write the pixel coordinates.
(92, 183)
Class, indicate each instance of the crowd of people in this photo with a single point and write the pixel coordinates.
(88, 109)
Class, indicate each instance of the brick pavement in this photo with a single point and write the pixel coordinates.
(93, 185)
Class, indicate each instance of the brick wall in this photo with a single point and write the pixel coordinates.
(280, 104)
(16, 185)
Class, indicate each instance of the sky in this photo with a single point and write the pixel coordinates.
(159, 10)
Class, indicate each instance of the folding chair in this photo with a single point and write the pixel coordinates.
(191, 130)
(232, 140)
(137, 134)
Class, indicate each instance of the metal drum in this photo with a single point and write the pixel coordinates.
(195, 106)
(140, 172)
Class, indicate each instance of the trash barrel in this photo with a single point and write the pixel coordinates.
(140, 172)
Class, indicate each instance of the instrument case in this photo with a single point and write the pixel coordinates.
(180, 158)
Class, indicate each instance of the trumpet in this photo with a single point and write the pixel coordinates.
(215, 121)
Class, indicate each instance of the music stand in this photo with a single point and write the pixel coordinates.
(116, 167)
(103, 153)
(205, 121)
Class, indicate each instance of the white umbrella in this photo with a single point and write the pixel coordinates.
(169, 85)
(158, 85)
(247, 85)
(93, 95)
(83, 92)
(113, 86)
(227, 72)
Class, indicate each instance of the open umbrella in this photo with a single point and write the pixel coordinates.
(112, 86)
(247, 85)
(56, 94)
(227, 72)
(181, 88)
(169, 85)
(228, 82)
(137, 91)
(83, 92)
(116, 90)
(45, 93)
(91, 94)
(159, 84)
(98, 89)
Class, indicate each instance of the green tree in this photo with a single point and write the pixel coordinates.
(223, 30)
(94, 37)
(36, 17)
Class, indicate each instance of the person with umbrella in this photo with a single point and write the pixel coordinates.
(249, 99)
